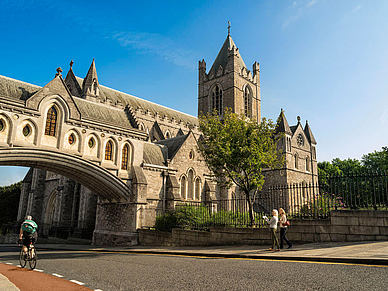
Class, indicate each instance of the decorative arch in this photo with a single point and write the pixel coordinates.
(27, 131)
(5, 128)
(92, 145)
(183, 188)
(72, 140)
(216, 101)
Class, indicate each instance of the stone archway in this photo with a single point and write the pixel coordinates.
(99, 180)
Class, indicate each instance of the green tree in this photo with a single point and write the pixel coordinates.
(237, 149)
(9, 202)
(376, 161)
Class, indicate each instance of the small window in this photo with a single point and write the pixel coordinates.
(109, 151)
(296, 161)
(51, 122)
(71, 139)
(91, 143)
(168, 135)
(26, 130)
(2, 125)
(191, 155)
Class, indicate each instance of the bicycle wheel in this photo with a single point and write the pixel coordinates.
(32, 255)
(22, 260)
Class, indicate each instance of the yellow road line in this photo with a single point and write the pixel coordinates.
(246, 259)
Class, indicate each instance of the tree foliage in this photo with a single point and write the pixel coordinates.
(237, 149)
(9, 202)
(376, 161)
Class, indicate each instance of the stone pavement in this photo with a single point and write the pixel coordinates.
(6, 285)
(372, 252)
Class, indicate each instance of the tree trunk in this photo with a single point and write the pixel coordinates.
(250, 209)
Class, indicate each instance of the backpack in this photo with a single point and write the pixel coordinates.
(28, 227)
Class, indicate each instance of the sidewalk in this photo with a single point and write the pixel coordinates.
(371, 253)
(6, 285)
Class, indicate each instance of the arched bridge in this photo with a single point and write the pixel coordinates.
(99, 180)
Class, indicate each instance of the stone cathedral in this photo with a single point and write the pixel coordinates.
(150, 148)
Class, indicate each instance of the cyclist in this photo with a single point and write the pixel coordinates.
(28, 233)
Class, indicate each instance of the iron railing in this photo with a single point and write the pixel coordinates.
(303, 201)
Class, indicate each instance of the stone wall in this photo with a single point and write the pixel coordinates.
(343, 226)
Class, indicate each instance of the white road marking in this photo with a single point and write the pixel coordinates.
(57, 275)
(8, 263)
(38, 270)
(77, 282)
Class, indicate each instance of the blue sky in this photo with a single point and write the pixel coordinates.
(323, 60)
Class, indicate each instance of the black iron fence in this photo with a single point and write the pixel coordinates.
(304, 201)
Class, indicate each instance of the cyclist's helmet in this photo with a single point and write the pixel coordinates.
(28, 217)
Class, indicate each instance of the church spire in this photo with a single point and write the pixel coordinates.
(90, 83)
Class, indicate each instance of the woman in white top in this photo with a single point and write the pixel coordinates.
(273, 225)
(283, 228)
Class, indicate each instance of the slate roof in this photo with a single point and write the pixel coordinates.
(173, 144)
(103, 113)
(154, 154)
(135, 102)
(21, 91)
(16, 89)
(222, 57)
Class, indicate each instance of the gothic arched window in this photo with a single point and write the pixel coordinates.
(51, 121)
(124, 159)
(296, 161)
(217, 99)
(197, 189)
(190, 184)
(247, 102)
(183, 187)
(109, 151)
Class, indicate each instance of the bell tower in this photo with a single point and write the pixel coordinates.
(229, 84)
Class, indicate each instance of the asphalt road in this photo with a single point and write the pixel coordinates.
(114, 271)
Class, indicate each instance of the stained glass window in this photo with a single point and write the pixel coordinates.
(71, 139)
(51, 121)
(108, 151)
(2, 125)
(124, 161)
(26, 131)
(91, 143)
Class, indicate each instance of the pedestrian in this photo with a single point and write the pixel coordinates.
(273, 226)
(283, 228)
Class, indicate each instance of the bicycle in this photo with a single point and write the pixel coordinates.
(30, 257)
